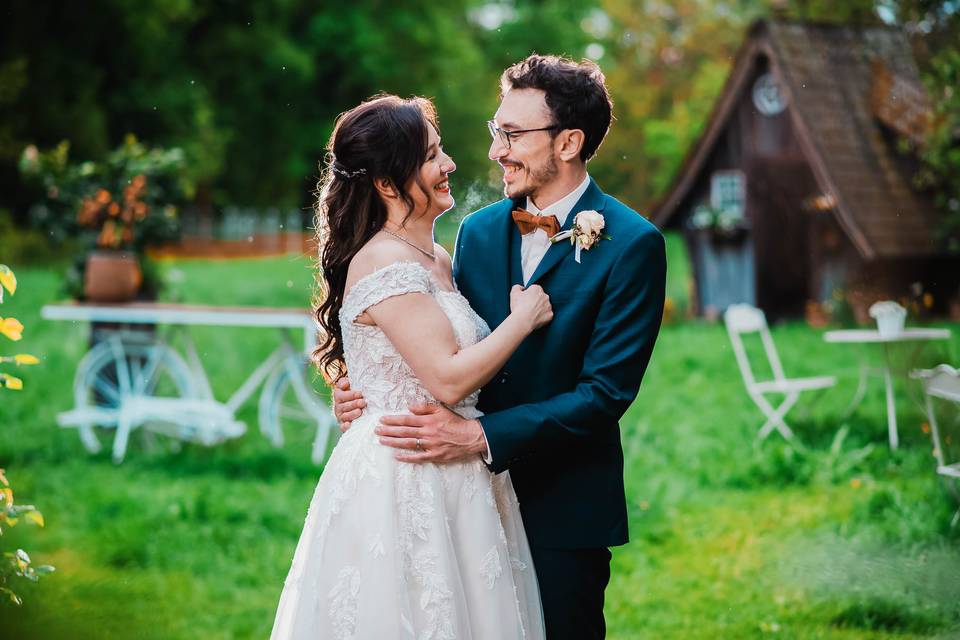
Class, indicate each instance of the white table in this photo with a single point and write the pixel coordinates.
(120, 382)
(872, 336)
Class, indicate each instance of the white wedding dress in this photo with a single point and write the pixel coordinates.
(394, 550)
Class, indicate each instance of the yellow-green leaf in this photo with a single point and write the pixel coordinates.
(25, 358)
(35, 517)
(7, 279)
(11, 382)
(3, 478)
(6, 496)
(11, 328)
(14, 597)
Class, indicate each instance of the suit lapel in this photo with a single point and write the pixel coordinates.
(496, 264)
(516, 257)
(591, 200)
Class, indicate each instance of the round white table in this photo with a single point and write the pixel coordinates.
(872, 336)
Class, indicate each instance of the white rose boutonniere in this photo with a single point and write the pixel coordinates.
(587, 231)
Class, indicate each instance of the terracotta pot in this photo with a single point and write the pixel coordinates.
(111, 277)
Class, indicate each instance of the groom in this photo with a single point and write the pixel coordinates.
(552, 412)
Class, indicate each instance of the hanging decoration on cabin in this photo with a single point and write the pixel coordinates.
(768, 97)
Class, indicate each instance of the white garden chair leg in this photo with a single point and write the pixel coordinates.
(775, 416)
(891, 408)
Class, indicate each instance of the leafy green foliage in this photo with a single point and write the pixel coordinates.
(941, 149)
(15, 564)
(134, 193)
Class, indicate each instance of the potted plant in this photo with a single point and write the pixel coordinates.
(112, 274)
(115, 208)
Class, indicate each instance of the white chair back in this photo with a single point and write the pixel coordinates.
(942, 382)
(742, 319)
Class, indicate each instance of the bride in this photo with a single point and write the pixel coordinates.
(395, 550)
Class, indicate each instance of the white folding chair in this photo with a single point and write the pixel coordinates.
(745, 319)
(943, 383)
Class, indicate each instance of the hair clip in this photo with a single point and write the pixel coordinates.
(340, 171)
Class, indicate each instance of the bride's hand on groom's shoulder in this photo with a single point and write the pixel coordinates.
(347, 404)
(533, 303)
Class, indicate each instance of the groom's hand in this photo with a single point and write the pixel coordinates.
(347, 404)
(444, 436)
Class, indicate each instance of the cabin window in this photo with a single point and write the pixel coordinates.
(727, 192)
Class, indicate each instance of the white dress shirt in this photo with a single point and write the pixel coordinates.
(534, 245)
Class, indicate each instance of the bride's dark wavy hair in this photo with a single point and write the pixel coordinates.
(384, 137)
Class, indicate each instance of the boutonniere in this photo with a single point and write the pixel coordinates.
(587, 231)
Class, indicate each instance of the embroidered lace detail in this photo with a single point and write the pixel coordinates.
(347, 477)
(392, 280)
(376, 368)
(436, 600)
(343, 603)
(490, 568)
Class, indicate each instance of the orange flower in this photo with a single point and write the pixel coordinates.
(136, 189)
(102, 196)
(108, 236)
(113, 209)
(89, 210)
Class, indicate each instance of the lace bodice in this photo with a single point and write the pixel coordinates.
(375, 367)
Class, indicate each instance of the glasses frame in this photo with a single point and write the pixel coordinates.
(506, 137)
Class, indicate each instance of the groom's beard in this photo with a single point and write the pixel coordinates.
(538, 177)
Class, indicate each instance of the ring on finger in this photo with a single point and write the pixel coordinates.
(419, 445)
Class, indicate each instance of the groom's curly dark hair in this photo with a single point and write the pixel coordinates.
(576, 94)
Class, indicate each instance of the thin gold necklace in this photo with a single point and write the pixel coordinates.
(399, 237)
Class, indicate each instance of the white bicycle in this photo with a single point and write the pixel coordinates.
(132, 379)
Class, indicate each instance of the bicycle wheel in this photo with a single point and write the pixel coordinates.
(122, 366)
(292, 412)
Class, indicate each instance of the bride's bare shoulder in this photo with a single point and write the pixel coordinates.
(376, 254)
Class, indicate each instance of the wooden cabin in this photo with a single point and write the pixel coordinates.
(800, 190)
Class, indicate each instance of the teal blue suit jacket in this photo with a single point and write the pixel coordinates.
(552, 412)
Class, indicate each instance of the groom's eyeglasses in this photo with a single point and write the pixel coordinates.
(505, 137)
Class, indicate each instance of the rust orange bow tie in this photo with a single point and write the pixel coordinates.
(528, 222)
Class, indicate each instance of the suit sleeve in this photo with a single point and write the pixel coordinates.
(614, 363)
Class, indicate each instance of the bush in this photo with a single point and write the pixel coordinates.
(27, 246)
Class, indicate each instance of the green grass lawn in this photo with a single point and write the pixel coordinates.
(731, 538)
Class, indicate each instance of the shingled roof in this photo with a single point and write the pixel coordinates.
(840, 82)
